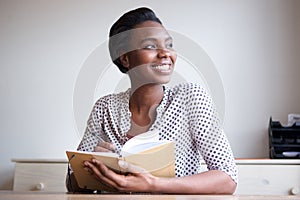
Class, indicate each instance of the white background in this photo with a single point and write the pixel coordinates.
(254, 45)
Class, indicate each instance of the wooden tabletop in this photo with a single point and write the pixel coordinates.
(8, 195)
(239, 161)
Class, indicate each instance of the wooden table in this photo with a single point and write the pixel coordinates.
(9, 195)
(256, 176)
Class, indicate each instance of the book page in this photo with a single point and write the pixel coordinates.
(142, 142)
(106, 154)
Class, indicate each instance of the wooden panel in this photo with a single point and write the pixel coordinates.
(268, 179)
(48, 177)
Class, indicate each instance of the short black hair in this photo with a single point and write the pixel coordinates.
(125, 23)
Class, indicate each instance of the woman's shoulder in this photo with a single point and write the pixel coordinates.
(190, 92)
(113, 99)
(188, 88)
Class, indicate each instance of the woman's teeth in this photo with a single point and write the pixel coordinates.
(163, 67)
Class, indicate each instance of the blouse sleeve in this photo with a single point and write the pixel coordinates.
(93, 129)
(210, 138)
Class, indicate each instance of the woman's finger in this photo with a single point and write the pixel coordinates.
(101, 172)
(131, 168)
(104, 147)
(101, 149)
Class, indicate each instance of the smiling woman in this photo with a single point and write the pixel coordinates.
(151, 57)
(142, 48)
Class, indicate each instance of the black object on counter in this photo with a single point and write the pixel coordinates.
(284, 141)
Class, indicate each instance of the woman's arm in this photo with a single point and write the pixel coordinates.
(210, 182)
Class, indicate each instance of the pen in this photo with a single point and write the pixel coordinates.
(117, 150)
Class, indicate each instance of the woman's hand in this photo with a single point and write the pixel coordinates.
(138, 179)
(104, 147)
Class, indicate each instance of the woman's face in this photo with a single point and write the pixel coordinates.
(152, 57)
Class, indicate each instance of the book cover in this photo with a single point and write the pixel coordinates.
(145, 150)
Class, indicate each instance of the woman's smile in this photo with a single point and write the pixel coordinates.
(165, 68)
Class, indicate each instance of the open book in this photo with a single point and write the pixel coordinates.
(144, 150)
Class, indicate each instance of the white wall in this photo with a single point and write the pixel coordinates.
(254, 45)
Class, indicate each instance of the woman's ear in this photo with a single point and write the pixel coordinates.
(124, 60)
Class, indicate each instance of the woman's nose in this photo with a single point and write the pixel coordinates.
(164, 53)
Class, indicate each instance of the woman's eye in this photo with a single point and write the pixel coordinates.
(170, 46)
(150, 46)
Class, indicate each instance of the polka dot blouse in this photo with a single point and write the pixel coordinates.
(186, 116)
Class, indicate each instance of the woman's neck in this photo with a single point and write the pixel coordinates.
(143, 103)
(146, 97)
